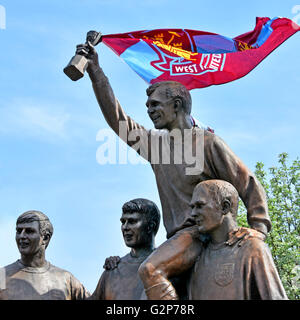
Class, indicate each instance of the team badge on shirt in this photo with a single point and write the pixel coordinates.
(224, 274)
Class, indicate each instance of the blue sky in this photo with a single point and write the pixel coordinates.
(48, 124)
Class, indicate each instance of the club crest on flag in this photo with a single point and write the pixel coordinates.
(177, 66)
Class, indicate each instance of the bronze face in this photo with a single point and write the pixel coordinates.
(28, 238)
(206, 211)
(161, 109)
(135, 230)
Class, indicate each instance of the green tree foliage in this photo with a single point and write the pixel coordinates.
(282, 188)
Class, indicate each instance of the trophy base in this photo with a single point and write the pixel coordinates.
(76, 67)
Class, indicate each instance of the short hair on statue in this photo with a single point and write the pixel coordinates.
(222, 190)
(45, 226)
(146, 207)
(174, 89)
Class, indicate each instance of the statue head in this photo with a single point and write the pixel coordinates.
(140, 222)
(168, 100)
(33, 232)
(212, 202)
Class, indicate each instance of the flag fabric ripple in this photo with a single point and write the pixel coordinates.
(199, 59)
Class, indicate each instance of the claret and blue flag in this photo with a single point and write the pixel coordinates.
(199, 59)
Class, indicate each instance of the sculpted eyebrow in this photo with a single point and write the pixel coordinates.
(151, 101)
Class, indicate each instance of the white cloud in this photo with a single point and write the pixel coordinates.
(239, 137)
(45, 120)
(31, 118)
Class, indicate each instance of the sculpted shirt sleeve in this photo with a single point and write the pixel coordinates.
(78, 291)
(99, 293)
(225, 165)
(265, 283)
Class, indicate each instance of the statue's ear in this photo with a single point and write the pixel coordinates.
(177, 104)
(46, 239)
(151, 227)
(226, 206)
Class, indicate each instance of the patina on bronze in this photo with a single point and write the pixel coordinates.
(139, 224)
(223, 271)
(78, 64)
(32, 277)
(169, 107)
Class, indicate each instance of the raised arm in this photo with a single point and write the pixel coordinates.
(227, 166)
(110, 106)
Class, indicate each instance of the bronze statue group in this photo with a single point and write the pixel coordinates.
(206, 255)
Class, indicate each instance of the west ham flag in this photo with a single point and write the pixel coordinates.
(199, 59)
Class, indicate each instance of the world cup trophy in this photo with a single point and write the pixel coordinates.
(78, 64)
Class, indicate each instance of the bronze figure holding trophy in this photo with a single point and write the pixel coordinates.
(169, 105)
(78, 64)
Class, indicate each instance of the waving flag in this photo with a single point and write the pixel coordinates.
(198, 59)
